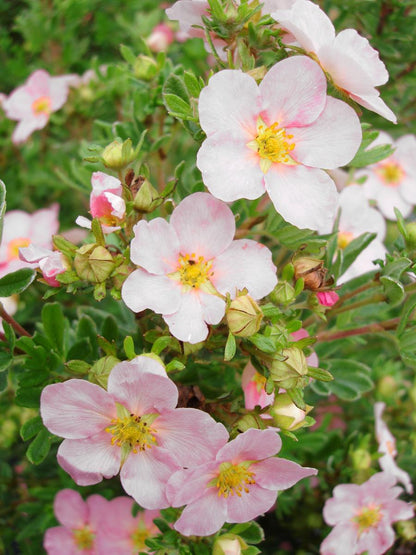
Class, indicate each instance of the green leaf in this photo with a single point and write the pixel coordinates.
(366, 157)
(393, 290)
(128, 346)
(5, 360)
(16, 282)
(31, 427)
(128, 54)
(262, 343)
(408, 308)
(320, 374)
(28, 397)
(54, 325)
(353, 249)
(176, 105)
(2, 206)
(396, 267)
(296, 394)
(230, 347)
(174, 364)
(251, 532)
(175, 86)
(351, 380)
(192, 84)
(39, 447)
(10, 335)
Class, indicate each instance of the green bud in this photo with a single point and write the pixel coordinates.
(93, 263)
(145, 67)
(100, 371)
(286, 415)
(361, 459)
(289, 373)
(283, 293)
(147, 198)
(251, 420)
(228, 544)
(244, 316)
(118, 154)
(410, 235)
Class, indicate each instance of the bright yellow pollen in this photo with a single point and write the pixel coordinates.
(84, 538)
(194, 271)
(138, 538)
(391, 173)
(367, 517)
(233, 479)
(344, 239)
(260, 381)
(42, 105)
(272, 145)
(132, 431)
(14, 246)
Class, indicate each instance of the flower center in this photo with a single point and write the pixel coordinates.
(42, 105)
(138, 537)
(260, 382)
(367, 517)
(14, 246)
(344, 239)
(391, 173)
(84, 538)
(133, 431)
(194, 271)
(233, 479)
(272, 145)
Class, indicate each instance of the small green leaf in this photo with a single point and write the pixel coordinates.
(128, 346)
(230, 347)
(192, 84)
(174, 364)
(28, 397)
(251, 532)
(320, 374)
(39, 447)
(262, 343)
(5, 360)
(31, 427)
(128, 54)
(364, 158)
(408, 307)
(16, 282)
(10, 335)
(296, 394)
(176, 105)
(54, 325)
(393, 290)
(351, 380)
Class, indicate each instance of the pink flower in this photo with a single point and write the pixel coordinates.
(276, 137)
(362, 516)
(387, 446)
(237, 485)
(160, 38)
(21, 230)
(358, 217)
(327, 298)
(392, 182)
(134, 425)
(123, 534)
(31, 104)
(106, 203)
(187, 266)
(51, 263)
(354, 66)
(80, 522)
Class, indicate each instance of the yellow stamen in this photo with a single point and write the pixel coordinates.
(272, 145)
(84, 538)
(133, 431)
(367, 517)
(234, 479)
(391, 173)
(42, 105)
(260, 381)
(344, 239)
(14, 246)
(194, 271)
(138, 537)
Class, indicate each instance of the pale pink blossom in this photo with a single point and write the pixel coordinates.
(363, 515)
(387, 447)
(21, 229)
(358, 217)
(80, 523)
(237, 485)
(134, 425)
(187, 266)
(354, 66)
(392, 182)
(327, 298)
(31, 104)
(160, 38)
(121, 533)
(106, 203)
(276, 138)
(51, 263)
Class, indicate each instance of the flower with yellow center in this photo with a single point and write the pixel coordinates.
(14, 246)
(133, 432)
(272, 145)
(344, 239)
(84, 538)
(367, 517)
(194, 271)
(391, 173)
(42, 106)
(234, 479)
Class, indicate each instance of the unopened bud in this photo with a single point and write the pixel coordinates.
(93, 263)
(361, 459)
(283, 293)
(406, 529)
(286, 415)
(249, 421)
(118, 154)
(411, 235)
(145, 68)
(244, 316)
(147, 198)
(311, 270)
(100, 371)
(290, 372)
(228, 544)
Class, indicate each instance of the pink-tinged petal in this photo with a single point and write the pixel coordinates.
(374, 103)
(398, 510)
(332, 140)
(142, 290)
(230, 169)
(365, 261)
(155, 246)
(70, 509)
(304, 197)
(139, 365)
(230, 102)
(408, 189)
(80, 478)
(38, 83)
(76, 408)
(250, 505)
(376, 541)
(245, 264)
(405, 154)
(188, 13)
(98, 507)
(203, 517)
(357, 216)
(388, 464)
(59, 89)
(254, 397)
(44, 223)
(18, 105)
(187, 323)
(94, 455)
(213, 307)
(327, 298)
(59, 540)
(25, 128)
(204, 225)
(293, 92)
(341, 541)
(140, 391)
(102, 182)
(310, 25)
(280, 474)
(251, 445)
(144, 476)
(83, 222)
(389, 198)
(191, 436)
(33, 253)
(340, 510)
(187, 485)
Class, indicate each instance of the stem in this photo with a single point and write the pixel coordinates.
(370, 300)
(370, 328)
(15, 325)
(355, 292)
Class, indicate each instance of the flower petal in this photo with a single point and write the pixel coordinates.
(250, 505)
(189, 484)
(155, 246)
(213, 307)
(187, 323)
(374, 103)
(142, 290)
(342, 540)
(252, 445)
(280, 474)
(203, 517)
(70, 509)
(58, 540)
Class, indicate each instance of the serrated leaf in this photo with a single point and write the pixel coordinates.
(39, 447)
(230, 347)
(16, 282)
(30, 428)
(393, 290)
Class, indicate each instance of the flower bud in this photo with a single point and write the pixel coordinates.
(411, 235)
(286, 415)
(327, 298)
(250, 421)
(100, 371)
(93, 263)
(147, 198)
(160, 38)
(244, 316)
(117, 155)
(406, 529)
(145, 68)
(290, 372)
(311, 270)
(283, 293)
(361, 459)
(228, 544)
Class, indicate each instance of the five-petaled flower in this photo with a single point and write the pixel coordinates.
(277, 137)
